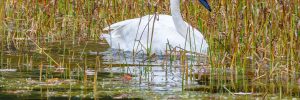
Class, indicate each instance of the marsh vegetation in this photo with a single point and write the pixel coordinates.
(51, 49)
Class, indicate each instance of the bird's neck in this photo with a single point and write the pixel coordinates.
(180, 25)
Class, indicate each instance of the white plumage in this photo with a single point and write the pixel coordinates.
(167, 31)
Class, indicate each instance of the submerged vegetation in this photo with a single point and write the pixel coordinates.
(254, 45)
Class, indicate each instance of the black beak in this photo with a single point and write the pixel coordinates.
(205, 4)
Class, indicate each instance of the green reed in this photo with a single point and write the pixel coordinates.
(255, 36)
(258, 41)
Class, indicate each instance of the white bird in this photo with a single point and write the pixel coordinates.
(156, 33)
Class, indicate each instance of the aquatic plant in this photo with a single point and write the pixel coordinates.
(254, 45)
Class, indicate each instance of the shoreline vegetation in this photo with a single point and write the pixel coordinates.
(258, 41)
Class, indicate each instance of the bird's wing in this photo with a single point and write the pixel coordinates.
(115, 28)
(118, 25)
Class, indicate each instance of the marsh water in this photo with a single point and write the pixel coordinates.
(90, 70)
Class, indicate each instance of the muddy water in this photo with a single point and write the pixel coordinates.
(90, 70)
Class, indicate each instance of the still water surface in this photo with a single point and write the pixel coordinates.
(91, 70)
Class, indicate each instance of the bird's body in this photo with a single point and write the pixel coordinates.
(157, 32)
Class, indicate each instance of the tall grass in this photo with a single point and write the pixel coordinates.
(2, 5)
(258, 41)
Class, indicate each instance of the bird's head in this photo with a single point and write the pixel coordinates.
(205, 4)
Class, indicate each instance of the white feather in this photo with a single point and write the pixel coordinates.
(135, 34)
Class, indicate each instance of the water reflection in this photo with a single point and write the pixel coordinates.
(90, 70)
